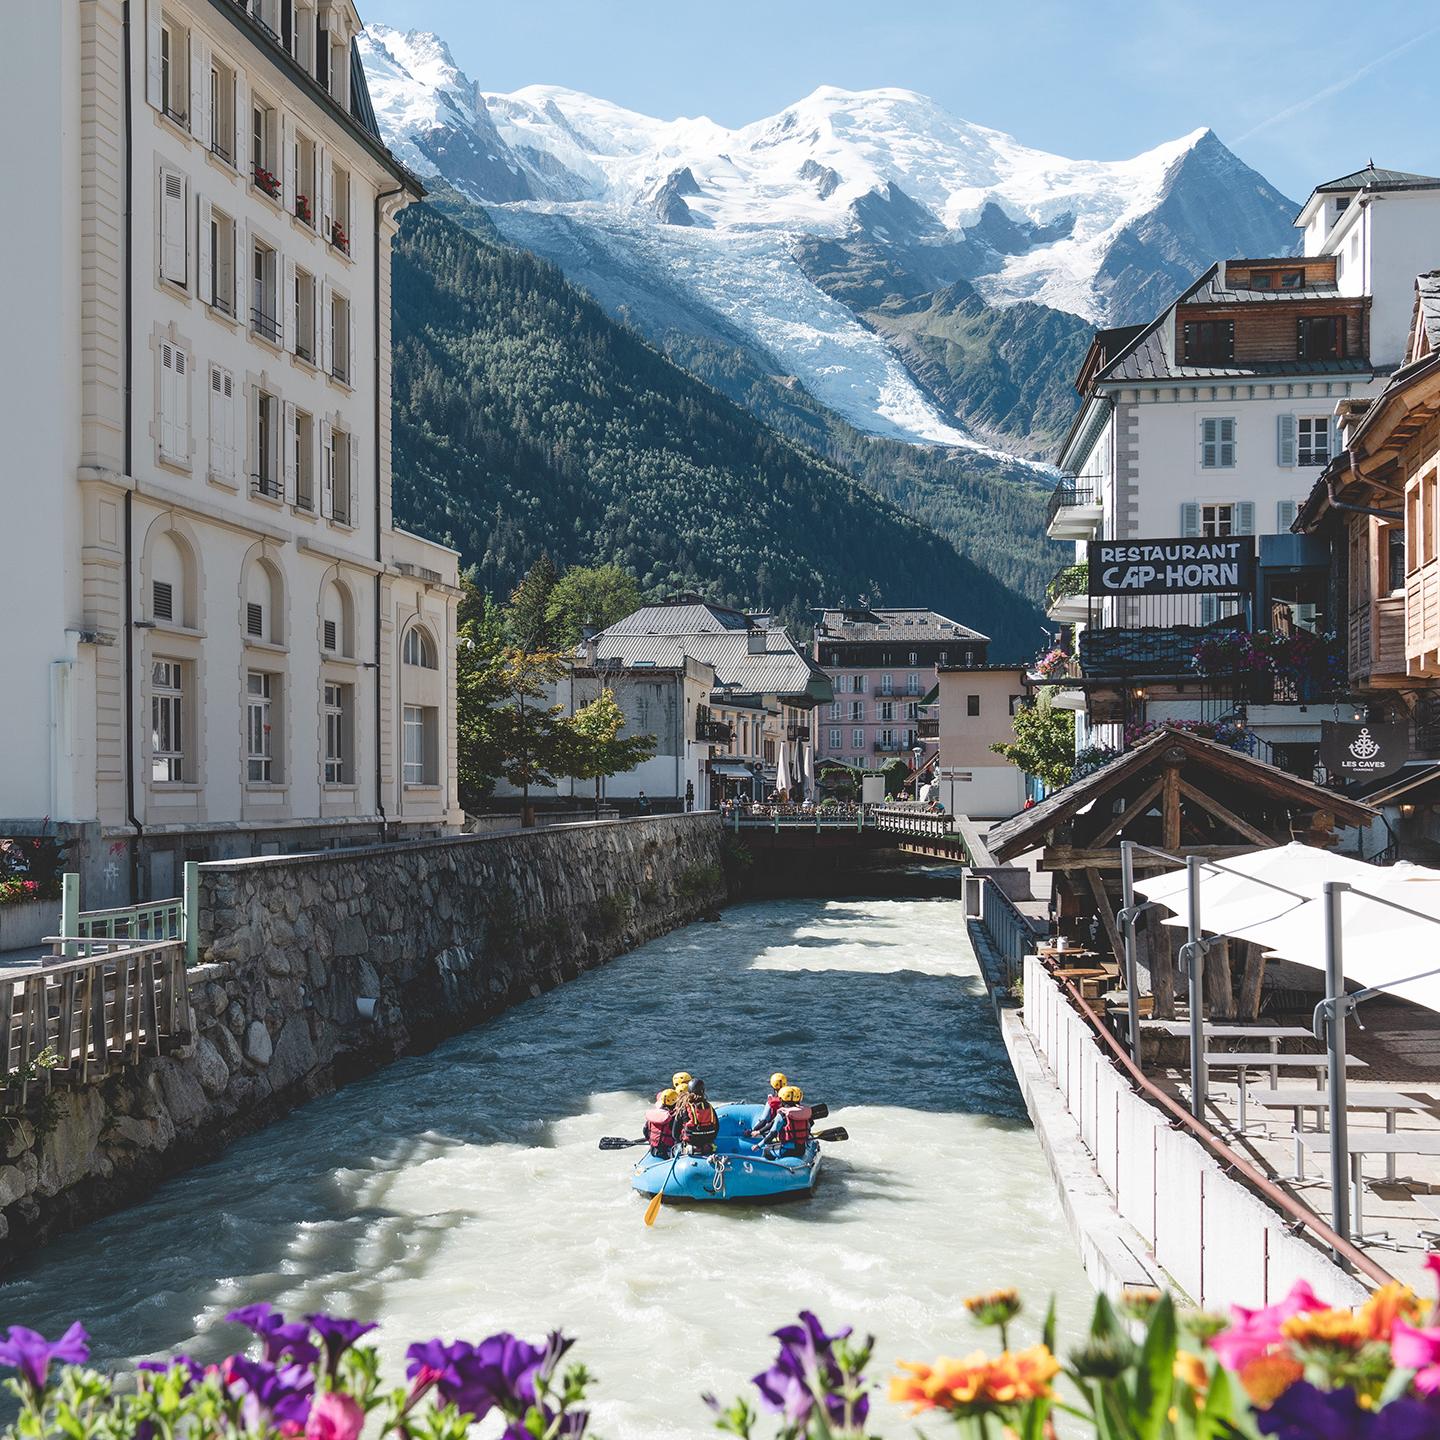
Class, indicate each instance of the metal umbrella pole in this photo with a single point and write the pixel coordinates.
(1331, 1013)
(1195, 962)
(1128, 915)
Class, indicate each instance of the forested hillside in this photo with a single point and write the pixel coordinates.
(526, 419)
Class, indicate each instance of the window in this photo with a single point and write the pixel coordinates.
(1277, 279)
(1217, 442)
(322, 53)
(1392, 548)
(264, 311)
(222, 111)
(287, 25)
(857, 709)
(262, 148)
(304, 303)
(174, 247)
(338, 464)
(259, 729)
(837, 710)
(1427, 517)
(857, 684)
(887, 740)
(972, 705)
(217, 258)
(914, 657)
(306, 194)
(340, 339)
(834, 739)
(174, 423)
(222, 423)
(167, 703)
(419, 733)
(174, 85)
(887, 709)
(1217, 520)
(857, 739)
(1412, 527)
(265, 477)
(338, 707)
(1209, 342)
(303, 461)
(419, 649)
(1320, 337)
(1313, 440)
(887, 684)
(912, 685)
(162, 602)
(339, 198)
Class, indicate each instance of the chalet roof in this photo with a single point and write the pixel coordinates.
(1028, 829)
(1372, 177)
(684, 615)
(1213, 293)
(779, 670)
(890, 623)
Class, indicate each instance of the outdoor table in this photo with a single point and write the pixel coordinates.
(1298, 1101)
(1274, 1034)
(1361, 1143)
(1245, 1060)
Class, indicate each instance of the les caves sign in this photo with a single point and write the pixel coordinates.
(1173, 567)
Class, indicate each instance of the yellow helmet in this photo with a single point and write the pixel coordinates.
(792, 1094)
(668, 1098)
(778, 1081)
(681, 1079)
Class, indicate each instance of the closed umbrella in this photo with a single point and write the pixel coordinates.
(782, 774)
(807, 754)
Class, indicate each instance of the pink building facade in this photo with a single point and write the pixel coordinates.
(882, 663)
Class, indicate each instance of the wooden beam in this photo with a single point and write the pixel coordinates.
(1107, 915)
(1170, 807)
(1133, 811)
(1225, 815)
(1065, 857)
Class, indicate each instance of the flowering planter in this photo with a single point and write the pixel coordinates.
(28, 923)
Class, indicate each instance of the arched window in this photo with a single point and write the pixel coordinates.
(264, 614)
(171, 597)
(337, 625)
(419, 649)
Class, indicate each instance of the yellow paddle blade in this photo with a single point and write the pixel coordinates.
(653, 1208)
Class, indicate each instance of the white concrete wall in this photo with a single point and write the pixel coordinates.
(993, 792)
(1221, 1243)
(1402, 241)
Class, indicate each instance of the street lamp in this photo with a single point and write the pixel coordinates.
(917, 752)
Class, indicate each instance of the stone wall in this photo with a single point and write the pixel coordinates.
(320, 968)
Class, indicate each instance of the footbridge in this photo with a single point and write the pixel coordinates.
(912, 827)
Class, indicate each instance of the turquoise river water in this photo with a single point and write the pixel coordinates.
(462, 1191)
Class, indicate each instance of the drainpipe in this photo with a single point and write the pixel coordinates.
(1349, 509)
(379, 557)
(127, 324)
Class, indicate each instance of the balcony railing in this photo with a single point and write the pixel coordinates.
(797, 730)
(928, 728)
(1067, 582)
(265, 325)
(714, 732)
(268, 487)
(1066, 495)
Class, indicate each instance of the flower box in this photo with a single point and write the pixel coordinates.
(27, 922)
(302, 209)
(267, 182)
(338, 238)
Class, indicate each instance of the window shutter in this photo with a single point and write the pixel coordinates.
(1284, 515)
(1208, 444)
(290, 305)
(172, 226)
(327, 193)
(322, 328)
(351, 515)
(167, 399)
(329, 634)
(254, 619)
(285, 285)
(241, 147)
(233, 400)
(200, 125)
(182, 407)
(1190, 518)
(162, 605)
(290, 163)
(1244, 517)
(219, 408)
(1284, 439)
(152, 54)
(204, 259)
(350, 343)
(1226, 445)
(287, 440)
(327, 469)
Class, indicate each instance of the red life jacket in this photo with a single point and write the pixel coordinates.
(659, 1128)
(701, 1126)
(772, 1103)
(795, 1125)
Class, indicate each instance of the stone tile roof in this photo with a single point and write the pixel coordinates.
(912, 623)
(688, 616)
(780, 670)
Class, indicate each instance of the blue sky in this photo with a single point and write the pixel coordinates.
(1302, 91)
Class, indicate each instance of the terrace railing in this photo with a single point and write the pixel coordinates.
(175, 919)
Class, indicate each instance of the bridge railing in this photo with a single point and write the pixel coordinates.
(77, 1020)
(913, 819)
(1013, 933)
(154, 920)
(796, 817)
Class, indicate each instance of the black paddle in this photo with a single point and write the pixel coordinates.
(618, 1142)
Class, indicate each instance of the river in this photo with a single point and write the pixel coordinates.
(462, 1191)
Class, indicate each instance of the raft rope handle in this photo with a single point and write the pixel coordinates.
(719, 1164)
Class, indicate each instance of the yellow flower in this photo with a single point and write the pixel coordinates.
(1191, 1370)
(1325, 1330)
(1269, 1377)
(1388, 1304)
(975, 1381)
(999, 1307)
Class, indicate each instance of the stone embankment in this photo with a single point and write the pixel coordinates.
(320, 968)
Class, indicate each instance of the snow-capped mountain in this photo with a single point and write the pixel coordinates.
(792, 235)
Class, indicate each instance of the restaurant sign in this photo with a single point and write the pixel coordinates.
(1363, 752)
(1208, 566)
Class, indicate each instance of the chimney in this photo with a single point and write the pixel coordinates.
(755, 638)
(590, 636)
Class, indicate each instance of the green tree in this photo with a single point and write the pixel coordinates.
(1044, 744)
(593, 596)
(531, 735)
(597, 748)
(529, 613)
(480, 689)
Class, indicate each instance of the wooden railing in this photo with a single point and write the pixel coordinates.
(151, 921)
(916, 819)
(76, 1020)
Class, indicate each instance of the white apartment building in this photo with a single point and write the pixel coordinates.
(220, 644)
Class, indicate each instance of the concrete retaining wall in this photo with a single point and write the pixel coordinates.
(1219, 1243)
(439, 935)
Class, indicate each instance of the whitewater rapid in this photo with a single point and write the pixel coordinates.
(461, 1192)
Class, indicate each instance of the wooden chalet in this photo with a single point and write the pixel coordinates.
(1184, 796)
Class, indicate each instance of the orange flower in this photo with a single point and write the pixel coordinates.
(1325, 1330)
(976, 1380)
(1191, 1370)
(1388, 1304)
(1269, 1377)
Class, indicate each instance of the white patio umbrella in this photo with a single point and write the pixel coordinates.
(782, 773)
(807, 752)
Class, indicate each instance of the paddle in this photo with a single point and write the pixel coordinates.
(619, 1142)
(838, 1133)
(653, 1208)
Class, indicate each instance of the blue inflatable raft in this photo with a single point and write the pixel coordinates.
(738, 1170)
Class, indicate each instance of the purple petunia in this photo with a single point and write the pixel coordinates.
(273, 1393)
(280, 1338)
(500, 1372)
(1304, 1412)
(31, 1353)
(338, 1335)
(804, 1369)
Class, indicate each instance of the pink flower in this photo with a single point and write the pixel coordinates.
(1432, 1263)
(1253, 1332)
(334, 1416)
(1418, 1350)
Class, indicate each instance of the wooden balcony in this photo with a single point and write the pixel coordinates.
(1422, 620)
(1376, 643)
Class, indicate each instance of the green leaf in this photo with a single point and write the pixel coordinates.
(1047, 1332)
(1155, 1381)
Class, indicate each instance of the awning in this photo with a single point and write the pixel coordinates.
(731, 769)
